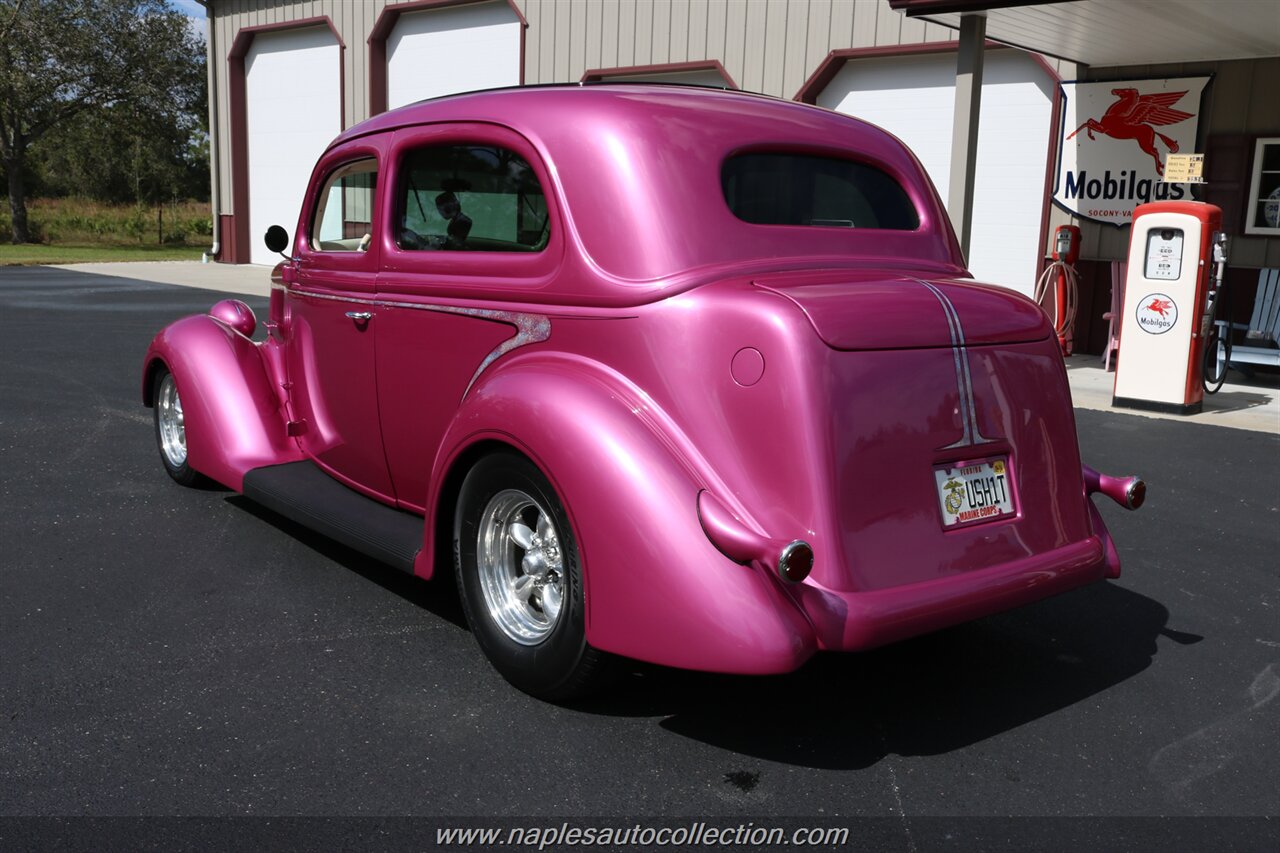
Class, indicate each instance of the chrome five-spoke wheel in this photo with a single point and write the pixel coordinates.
(170, 424)
(519, 575)
(171, 429)
(520, 566)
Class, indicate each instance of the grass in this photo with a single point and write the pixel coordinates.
(36, 253)
(77, 230)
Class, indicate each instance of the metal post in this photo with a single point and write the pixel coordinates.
(964, 130)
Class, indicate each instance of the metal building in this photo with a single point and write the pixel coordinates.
(972, 86)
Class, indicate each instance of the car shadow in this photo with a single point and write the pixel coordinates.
(436, 596)
(926, 696)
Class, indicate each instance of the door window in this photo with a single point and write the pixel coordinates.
(344, 213)
(471, 198)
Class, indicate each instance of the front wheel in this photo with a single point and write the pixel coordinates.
(171, 430)
(519, 575)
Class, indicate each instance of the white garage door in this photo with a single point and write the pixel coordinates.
(445, 51)
(913, 97)
(293, 99)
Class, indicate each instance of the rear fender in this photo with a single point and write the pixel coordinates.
(656, 588)
(233, 413)
(1100, 530)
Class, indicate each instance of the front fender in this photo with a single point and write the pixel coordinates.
(656, 588)
(233, 415)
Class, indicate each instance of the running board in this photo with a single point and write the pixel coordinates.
(301, 492)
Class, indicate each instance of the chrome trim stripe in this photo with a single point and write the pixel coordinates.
(530, 328)
(964, 377)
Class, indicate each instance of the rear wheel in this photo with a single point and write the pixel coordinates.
(171, 430)
(519, 575)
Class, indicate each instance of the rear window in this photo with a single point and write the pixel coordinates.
(804, 189)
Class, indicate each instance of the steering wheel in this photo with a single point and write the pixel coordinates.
(410, 239)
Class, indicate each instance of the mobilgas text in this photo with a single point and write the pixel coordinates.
(1128, 186)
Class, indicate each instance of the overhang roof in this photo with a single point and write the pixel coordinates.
(1108, 32)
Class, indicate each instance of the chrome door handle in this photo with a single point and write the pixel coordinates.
(360, 316)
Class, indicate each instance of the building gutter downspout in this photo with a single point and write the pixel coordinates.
(215, 202)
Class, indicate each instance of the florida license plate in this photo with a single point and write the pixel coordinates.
(975, 491)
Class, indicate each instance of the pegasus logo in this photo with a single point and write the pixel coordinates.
(1135, 117)
(1160, 306)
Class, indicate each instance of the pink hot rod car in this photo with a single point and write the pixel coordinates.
(689, 376)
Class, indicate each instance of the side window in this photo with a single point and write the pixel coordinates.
(344, 213)
(470, 198)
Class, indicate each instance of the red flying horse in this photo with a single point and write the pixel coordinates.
(1160, 306)
(1132, 117)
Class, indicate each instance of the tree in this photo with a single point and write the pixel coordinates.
(118, 155)
(78, 60)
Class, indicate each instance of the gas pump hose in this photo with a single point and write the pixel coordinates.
(1215, 339)
(1047, 279)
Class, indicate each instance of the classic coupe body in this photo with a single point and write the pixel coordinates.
(689, 376)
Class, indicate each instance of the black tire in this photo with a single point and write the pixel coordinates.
(179, 469)
(557, 665)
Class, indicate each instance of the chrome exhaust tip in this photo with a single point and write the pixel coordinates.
(796, 561)
(1129, 492)
(1135, 492)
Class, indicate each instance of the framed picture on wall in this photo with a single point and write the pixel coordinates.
(1263, 213)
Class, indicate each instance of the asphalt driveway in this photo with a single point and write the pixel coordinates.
(167, 651)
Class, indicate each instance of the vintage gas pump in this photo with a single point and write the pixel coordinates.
(1057, 291)
(1166, 298)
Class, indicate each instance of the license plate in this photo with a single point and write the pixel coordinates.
(975, 491)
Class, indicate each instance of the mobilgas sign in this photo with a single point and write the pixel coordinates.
(1116, 136)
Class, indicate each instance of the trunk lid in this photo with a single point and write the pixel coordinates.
(924, 382)
(852, 310)
(896, 418)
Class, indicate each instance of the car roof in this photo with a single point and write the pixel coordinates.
(640, 169)
(514, 101)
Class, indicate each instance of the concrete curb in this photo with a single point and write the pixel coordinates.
(1252, 404)
(242, 279)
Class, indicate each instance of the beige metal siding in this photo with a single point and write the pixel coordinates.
(769, 46)
(577, 33)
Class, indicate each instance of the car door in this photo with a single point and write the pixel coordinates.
(334, 323)
(474, 241)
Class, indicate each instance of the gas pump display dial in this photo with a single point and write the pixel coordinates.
(1164, 254)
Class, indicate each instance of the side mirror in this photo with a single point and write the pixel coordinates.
(277, 239)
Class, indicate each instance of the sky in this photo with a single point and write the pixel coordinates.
(190, 8)
(195, 15)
